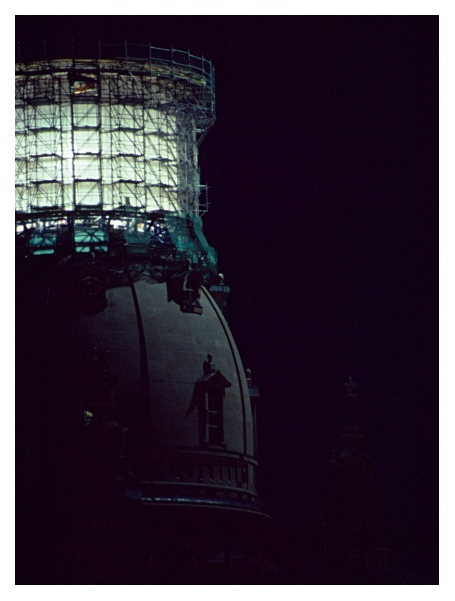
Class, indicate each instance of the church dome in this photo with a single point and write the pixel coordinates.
(197, 427)
(133, 408)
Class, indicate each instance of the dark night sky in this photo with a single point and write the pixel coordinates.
(323, 175)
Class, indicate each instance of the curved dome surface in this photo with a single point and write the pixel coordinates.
(140, 327)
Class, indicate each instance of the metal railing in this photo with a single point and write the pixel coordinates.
(200, 67)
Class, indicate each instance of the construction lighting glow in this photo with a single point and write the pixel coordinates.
(110, 141)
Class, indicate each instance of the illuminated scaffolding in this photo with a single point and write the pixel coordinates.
(110, 145)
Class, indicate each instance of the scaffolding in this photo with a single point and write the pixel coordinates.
(112, 131)
(107, 154)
